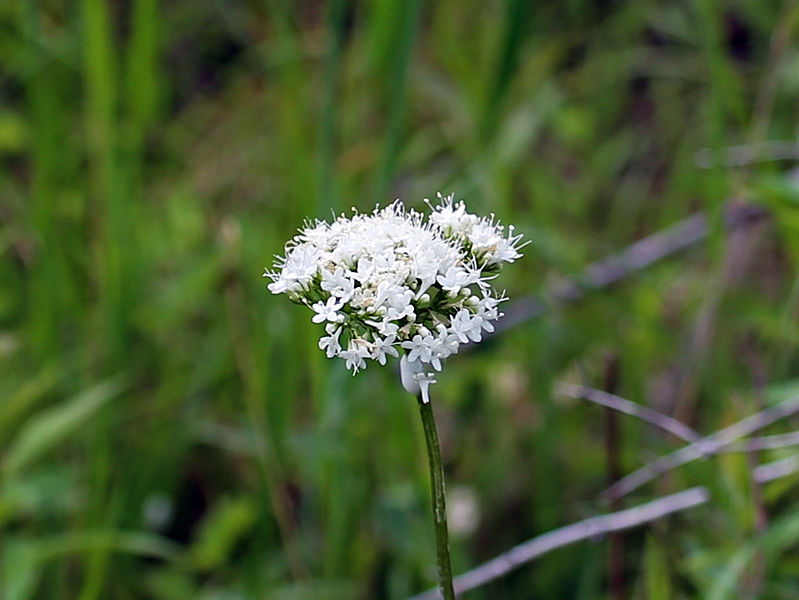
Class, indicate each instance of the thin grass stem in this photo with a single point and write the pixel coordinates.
(628, 407)
(707, 446)
(599, 525)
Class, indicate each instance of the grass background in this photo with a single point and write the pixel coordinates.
(169, 430)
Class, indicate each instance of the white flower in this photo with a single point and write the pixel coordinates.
(327, 311)
(386, 328)
(505, 250)
(446, 343)
(337, 283)
(419, 348)
(476, 326)
(442, 346)
(486, 238)
(399, 306)
(414, 379)
(364, 271)
(384, 347)
(355, 354)
(453, 217)
(395, 281)
(454, 279)
(330, 343)
(298, 269)
(461, 325)
(424, 381)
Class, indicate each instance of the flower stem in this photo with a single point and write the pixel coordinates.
(439, 499)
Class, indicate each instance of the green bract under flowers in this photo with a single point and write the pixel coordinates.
(394, 281)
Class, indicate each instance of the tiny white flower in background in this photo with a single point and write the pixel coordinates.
(463, 510)
(394, 282)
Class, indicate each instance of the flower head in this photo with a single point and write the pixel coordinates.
(394, 281)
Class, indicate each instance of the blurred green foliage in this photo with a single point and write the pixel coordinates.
(168, 430)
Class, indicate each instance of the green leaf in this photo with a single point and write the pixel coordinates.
(781, 534)
(41, 494)
(229, 520)
(15, 405)
(780, 392)
(22, 559)
(51, 426)
(20, 572)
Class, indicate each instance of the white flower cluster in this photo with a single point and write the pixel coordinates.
(392, 281)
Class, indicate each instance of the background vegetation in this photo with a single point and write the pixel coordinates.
(169, 430)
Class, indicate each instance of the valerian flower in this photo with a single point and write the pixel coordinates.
(395, 282)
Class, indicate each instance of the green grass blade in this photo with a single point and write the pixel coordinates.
(43, 82)
(24, 559)
(114, 246)
(396, 91)
(517, 17)
(54, 425)
(14, 406)
(782, 534)
(327, 197)
(143, 79)
(656, 571)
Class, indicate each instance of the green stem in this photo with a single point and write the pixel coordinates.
(439, 499)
